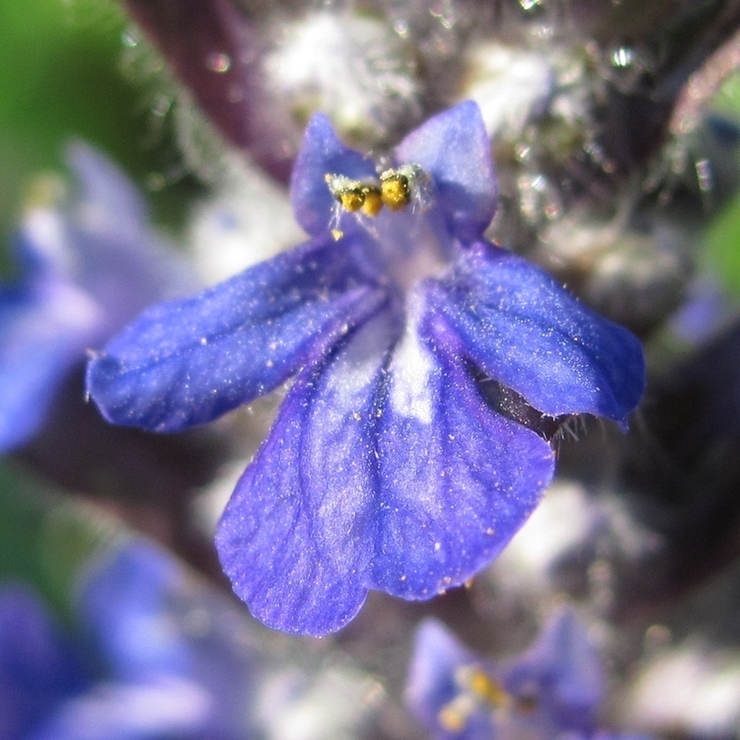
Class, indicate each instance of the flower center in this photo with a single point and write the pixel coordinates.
(478, 692)
(395, 189)
(404, 223)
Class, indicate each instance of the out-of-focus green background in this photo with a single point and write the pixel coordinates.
(64, 74)
(59, 78)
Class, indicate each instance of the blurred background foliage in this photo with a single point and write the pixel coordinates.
(44, 539)
(62, 77)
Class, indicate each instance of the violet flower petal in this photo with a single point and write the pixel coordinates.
(44, 330)
(105, 194)
(297, 535)
(455, 150)
(110, 248)
(559, 681)
(124, 601)
(431, 683)
(521, 327)
(84, 270)
(162, 708)
(373, 477)
(323, 153)
(566, 668)
(187, 362)
(38, 670)
(456, 480)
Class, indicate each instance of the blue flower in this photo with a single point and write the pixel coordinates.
(427, 365)
(553, 690)
(141, 668)
(85, 268)
(38, 668)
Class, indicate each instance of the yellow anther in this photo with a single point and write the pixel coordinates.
(409, 183)
(355, 195)
(351, 200)
(478, 692)
(373, 202)
(451, 719)
(455, 714)
(394, 190)
(486, 689)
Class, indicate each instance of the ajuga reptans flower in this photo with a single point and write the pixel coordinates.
(85, 266)
(389, 466)
(553, 690)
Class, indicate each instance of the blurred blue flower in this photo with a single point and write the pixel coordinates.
(84, 269)
(38, 669)
(149, 661)
(428, 366)
(552, 691)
